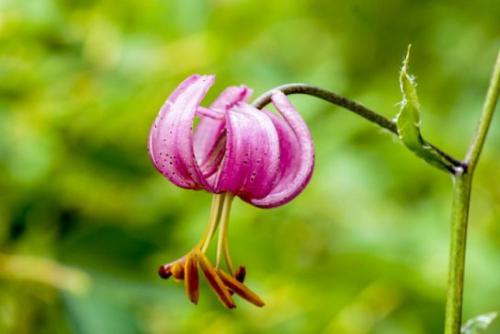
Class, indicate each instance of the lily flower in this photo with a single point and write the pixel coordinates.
(236, 150)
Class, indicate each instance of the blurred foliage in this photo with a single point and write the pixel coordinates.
(85, 219)
(479, 324)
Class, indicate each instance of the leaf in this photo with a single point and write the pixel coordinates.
(479, 324)
(408, 121)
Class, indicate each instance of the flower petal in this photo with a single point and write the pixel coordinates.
(251, 161)
(209, 139)
(171, 138)
(297, 154)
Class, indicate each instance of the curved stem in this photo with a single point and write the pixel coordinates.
(341, 101)
(355, 107)
(461, 204)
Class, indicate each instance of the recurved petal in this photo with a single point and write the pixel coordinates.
(171, 137)
(251, 159)
(297, 154)
(209, 135)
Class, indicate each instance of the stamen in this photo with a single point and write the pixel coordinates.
(227, 256)
(191, 282)
(222, 244)
(178, 270)
(165, 271)
(213, 221)
(240, 289)
(215, 281)
(240, 274)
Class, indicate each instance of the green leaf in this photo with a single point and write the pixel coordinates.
(408, 121)
(479, 324)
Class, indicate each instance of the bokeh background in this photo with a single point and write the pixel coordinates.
(85, 220)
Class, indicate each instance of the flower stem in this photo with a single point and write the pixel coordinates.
(355, 107)
(459, 222)
(339, 100)
(461, 204)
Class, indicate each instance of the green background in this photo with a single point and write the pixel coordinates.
(85, 219)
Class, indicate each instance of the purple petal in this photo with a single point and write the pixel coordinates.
(297, 154)
(171, 138)
(209, 138)
(251, 162)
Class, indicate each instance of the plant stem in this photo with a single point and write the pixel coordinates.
(339, 100)
(486, 116)
(461, 204)
(460, 215)
(355, 107)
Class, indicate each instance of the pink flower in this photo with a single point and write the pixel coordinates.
(265, 159)
(235, 150)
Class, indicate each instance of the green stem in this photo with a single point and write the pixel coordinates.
(353, 106)
(460, 215)
(461, 204)
(486, 116)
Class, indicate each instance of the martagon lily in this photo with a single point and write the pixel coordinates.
(264, 158)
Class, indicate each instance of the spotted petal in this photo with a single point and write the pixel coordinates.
(251, 161)
(297, 154)
(171, 138)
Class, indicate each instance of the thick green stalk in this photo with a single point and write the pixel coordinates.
(486, 116)
(460, 216)
(461, 204)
